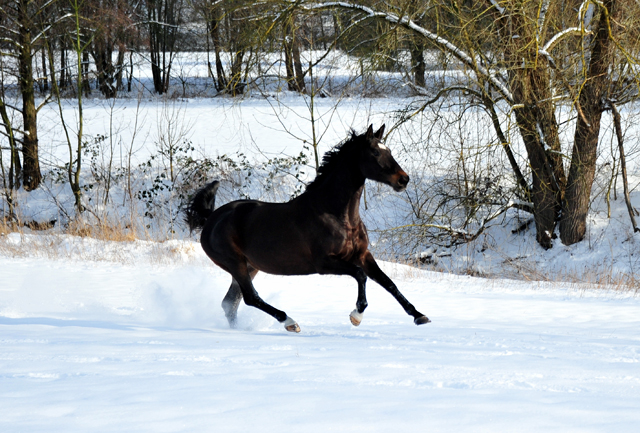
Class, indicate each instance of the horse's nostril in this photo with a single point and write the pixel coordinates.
(404, 180)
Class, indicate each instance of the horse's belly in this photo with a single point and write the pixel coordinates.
(281, 264)
(286, 254)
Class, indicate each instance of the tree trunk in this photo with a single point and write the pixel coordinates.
(45, 78)
(539, 131)
(543, 191)
(288, 66)
(535, 117)
(418, 66)
(215, 20)
(297, 66)
(86, 84)
(130, 74)
(236, 84)
(623, 165)
(157, 43)
(293, 63)
(163, 16)
(63, 65)
(102, 54)
(15, 167)
(573, 224)
(31, 168)
(120, 68)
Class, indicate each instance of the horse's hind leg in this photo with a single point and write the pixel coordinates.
(232, 299)
(243, 277)
(231, 302)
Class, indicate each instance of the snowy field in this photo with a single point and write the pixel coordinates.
(141, 345)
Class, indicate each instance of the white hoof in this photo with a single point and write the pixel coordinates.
(291, 325)
(356, 318)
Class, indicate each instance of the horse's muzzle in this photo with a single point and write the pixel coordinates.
(402, 180)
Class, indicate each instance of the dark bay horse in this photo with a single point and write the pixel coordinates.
(318, 232)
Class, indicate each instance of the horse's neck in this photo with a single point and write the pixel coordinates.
(340, 195)
(352, 209)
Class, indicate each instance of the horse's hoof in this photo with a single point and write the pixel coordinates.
(293, 328)
(355, 317)
(291, 325)
(421, 320)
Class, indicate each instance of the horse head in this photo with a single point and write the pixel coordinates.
(377, 163)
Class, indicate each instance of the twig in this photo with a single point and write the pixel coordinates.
(623, 164)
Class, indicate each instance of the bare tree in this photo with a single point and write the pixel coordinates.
(22, 30)
(164, 18)
(291, 47)
(109, 22)
(594, 89)
(13, 177)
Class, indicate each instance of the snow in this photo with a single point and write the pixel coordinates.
(141, 344)
(257, 126)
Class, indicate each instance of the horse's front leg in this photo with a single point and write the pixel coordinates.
(361, 303)
(374, 272)
(339, 267)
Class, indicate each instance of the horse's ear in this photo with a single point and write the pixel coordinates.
(379, 133)
(369, 134)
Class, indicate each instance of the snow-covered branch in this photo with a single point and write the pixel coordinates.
(556, 38)
(585, 12)
(444, 44)
(60, 19)
(9, 30)
(497, 6)
(160, 23)
(45, 101)
(542, 15)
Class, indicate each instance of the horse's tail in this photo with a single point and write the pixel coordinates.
(201, 206)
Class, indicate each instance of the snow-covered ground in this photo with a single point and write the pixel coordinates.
(140, 344)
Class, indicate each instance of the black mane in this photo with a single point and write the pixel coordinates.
(331, 159)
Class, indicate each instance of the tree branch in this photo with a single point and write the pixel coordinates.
(469, 60)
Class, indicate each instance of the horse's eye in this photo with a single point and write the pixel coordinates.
(375, 152)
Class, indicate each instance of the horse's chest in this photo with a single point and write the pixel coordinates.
(352, 243)
(343, 238)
